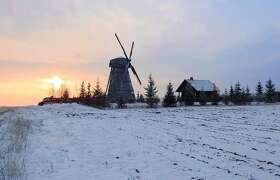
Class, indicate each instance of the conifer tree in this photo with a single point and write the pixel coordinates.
(270, 91)
(151, 93)
(231, 93)
(99, 97)
(97, 92)
(88, 93)
(247, 91)
(66, 94)
(82, 91)
(237, 89)
(237, 93)
(169, 98)
(259, 92)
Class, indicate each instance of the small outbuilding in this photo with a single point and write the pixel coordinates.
(196, 88)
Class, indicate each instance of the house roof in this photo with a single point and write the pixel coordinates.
(202, 85)
(198, 85)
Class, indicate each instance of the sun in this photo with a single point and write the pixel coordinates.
(56, 82)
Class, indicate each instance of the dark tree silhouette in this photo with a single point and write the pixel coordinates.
(259, 92)
(82, 91)
(151, 93)
(88, 93)
(237, 99)
(99, 97)
(231, 93)
(270, 92)
(66, 94)
(169, 98)
(97, 92)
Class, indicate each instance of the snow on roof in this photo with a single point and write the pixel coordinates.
(202, 85)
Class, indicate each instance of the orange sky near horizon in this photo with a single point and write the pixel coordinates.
(23, 89)
(33, 57)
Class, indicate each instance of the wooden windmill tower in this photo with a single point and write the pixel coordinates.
(119, 84)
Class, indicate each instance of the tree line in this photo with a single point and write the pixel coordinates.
(236, 95)
(88, 95)
(92, 96)
(239, 95)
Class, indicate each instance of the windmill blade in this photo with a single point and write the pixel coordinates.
(135, 73)
(108, 83)
(121, 46)
(131, 50)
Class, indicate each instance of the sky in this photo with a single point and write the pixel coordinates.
(224, 41)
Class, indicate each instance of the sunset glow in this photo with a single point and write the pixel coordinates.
(55, 82)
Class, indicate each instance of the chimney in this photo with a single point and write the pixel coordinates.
(191, 78)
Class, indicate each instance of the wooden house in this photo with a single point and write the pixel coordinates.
(196, 87)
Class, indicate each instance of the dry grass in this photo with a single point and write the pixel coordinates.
(12, 165)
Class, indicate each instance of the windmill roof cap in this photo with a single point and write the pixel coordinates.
(118, 62)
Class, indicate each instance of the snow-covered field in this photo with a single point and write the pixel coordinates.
(75, 142)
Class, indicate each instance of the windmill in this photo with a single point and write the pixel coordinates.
(119, 83)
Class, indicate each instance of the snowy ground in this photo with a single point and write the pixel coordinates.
(75, 142)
